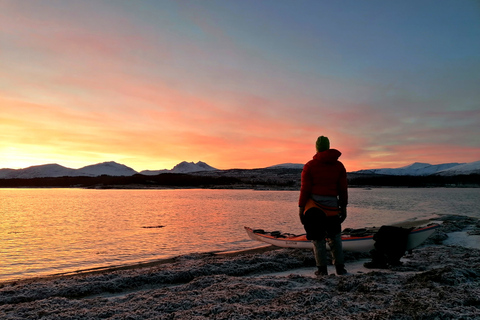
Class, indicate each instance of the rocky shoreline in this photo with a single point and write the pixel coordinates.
(435, 281)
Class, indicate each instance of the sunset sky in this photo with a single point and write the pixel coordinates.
(238, 83)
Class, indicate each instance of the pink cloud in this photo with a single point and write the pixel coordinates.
(103, 86)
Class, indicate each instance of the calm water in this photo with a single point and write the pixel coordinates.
(47, 231)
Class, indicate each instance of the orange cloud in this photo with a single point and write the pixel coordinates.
(100, 85)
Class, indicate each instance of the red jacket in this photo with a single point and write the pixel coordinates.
(324, 175)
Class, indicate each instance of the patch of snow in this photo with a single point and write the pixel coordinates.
(286, 166)
(462, 238)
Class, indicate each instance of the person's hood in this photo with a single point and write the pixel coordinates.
(330, 155)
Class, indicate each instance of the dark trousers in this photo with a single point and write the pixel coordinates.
(318, 227)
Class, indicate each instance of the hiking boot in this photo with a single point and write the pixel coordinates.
(322, 271)
(340, 268)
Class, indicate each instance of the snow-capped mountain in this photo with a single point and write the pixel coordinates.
(425, 169)
(466, 168)
(110, 168)
(56, 170)
(115, 169)
(182, 167)
(41, 171)
(286, 166)
(187, 167)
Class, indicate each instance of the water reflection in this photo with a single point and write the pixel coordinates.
(58, 230)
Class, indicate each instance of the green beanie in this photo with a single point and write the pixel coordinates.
(322, 144)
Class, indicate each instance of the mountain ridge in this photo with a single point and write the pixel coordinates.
(426, 169)
(112, 168)
(54, 170)
(414, 169)
(182, 167)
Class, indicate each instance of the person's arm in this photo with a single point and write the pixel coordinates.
(305, 187)
(343, 194)
(305, 191)
(300, 214)
(343, 214)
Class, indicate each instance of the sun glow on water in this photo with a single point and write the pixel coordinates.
(45, 231)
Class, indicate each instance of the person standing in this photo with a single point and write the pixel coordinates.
(323, 204)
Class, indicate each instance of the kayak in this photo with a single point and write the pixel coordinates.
(358, 240)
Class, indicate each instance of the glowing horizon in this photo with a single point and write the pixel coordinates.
(238, 84)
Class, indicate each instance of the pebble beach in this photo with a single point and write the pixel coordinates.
(439, 280)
